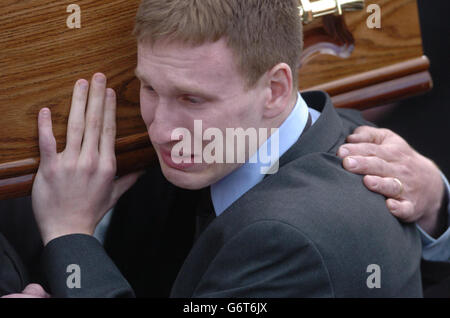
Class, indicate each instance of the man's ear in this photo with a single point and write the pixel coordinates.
(280, 80)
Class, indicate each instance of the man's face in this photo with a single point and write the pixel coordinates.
(181, 84)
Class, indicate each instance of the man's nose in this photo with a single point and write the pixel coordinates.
(163, 124)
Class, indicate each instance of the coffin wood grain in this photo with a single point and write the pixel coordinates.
(40, 60)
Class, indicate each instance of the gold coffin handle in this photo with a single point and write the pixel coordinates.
(310, 10)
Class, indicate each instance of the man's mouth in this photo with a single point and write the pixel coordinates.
(179, 162)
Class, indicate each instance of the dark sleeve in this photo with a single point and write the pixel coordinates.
(266, 259)
(13, 276)
(99, 277)
(435, 279)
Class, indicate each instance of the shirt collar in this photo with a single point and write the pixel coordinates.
(230, 188)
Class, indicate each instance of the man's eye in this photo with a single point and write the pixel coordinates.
(149, 88)
(191, 100)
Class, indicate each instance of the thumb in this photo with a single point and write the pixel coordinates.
(47, 141)
(122, 184)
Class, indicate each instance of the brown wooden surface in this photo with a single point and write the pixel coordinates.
(40, 60)
(399, 40)
(384, 93)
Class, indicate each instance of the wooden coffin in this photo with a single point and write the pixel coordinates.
(41, 57)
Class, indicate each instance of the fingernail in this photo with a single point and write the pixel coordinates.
(343, 152)
(372, 183)
(83, 84)
(352, 163)
(100, 78)
(110, 92)
(392, 206)
(45, 112)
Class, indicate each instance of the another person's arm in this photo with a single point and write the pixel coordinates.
(415, 188)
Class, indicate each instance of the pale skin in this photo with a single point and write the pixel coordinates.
(74, 189)
(180, 84)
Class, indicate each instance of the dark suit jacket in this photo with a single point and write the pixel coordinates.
(13, 275)
(311, 230)
(20, 246)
